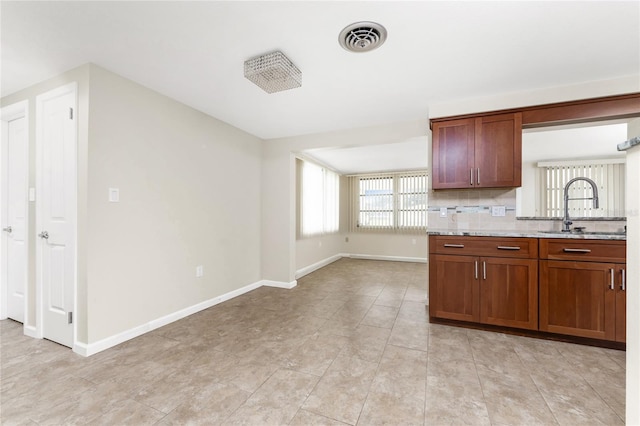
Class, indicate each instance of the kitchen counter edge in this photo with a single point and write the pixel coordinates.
(527, 234)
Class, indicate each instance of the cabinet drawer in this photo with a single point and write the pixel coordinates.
(484, 246)
(585, 250)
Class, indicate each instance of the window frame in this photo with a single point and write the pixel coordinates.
(399, 213)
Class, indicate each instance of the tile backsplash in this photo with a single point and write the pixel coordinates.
(471, 210)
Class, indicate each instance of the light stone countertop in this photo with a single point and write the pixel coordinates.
(531, 234)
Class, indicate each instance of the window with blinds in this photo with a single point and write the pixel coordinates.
(319, 195)
(609, 175)
(395, 201)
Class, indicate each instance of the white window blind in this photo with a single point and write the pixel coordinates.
(319, 200)
(392, 202)
(609, 175)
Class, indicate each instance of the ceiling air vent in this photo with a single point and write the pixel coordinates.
(362, 36)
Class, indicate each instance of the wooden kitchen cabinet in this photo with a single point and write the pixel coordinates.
(583, 289)
(509, 292)
(484, 280)
(453, 288)
(478, 152)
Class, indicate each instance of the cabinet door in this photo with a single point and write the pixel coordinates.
(498, 151)
(453, 287)
(453, 154)
(509, 292)
(621, 304)
(576, 298)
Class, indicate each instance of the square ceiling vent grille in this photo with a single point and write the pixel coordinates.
(273, 72)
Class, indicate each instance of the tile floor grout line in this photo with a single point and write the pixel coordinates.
(475, 366)
(546, 402)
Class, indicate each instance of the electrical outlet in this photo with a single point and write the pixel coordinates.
(413, 241)
(498, 211)
(443, 212)
(199, 271)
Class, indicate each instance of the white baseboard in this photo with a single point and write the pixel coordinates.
(390, 258)
(321, 264)
(111, 341)
(89, 349)
(31, 331)
(279, 284)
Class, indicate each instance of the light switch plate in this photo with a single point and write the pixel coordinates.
(498, 211)
(114, 195)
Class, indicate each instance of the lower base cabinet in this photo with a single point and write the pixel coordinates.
(583, 288)
(573, 287)
(509, 292)
(584, 299)
(500, 291)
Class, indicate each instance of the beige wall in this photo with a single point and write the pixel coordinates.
(633, 277)
(592, 89)
(410, 247)
(281, 257)
(189, 195)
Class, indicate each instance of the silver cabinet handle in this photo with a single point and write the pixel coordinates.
(454, 245)
(623, 285)
(612, 285)
(508, 248)
(571, 250)
(476, 269)
(471, 176)
(484, 270)
(478, 177)
(44, 235)
(8, 229)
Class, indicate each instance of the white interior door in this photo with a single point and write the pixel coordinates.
(15, 211)
(56, 212)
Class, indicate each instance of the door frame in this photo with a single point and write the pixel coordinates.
(9, 113)
(40, 99)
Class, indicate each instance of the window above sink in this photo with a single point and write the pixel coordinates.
(551, 156)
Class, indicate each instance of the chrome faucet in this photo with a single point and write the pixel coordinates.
(567, 222)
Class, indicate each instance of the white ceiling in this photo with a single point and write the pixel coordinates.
(435, 52)
(407, 155)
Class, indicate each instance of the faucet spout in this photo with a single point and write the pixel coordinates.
(596, 203)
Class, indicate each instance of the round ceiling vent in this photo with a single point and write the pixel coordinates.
(362, 36)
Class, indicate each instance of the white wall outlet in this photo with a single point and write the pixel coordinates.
(443, 212)
(413, 241)
(199, 271)
(114, 195)
(498, 211)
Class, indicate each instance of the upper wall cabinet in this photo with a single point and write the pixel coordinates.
(477, 152)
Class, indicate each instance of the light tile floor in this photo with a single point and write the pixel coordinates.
(350, 345)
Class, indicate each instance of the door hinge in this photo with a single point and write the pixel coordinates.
(70, 319)
(70, 113)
